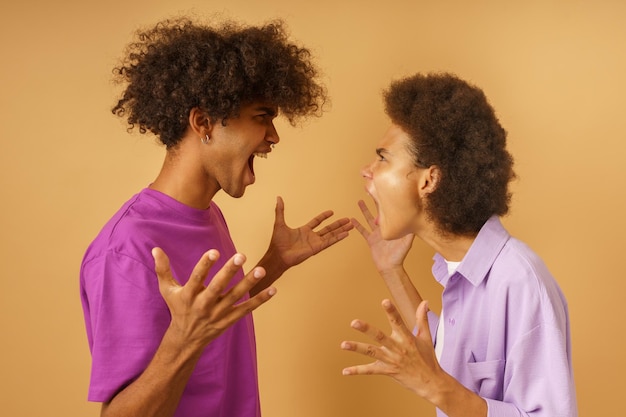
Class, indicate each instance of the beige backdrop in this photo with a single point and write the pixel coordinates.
(554, 70)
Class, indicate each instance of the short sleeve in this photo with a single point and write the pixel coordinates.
(126, 318)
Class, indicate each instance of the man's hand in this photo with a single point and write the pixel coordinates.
(289, 247)
(199, 313)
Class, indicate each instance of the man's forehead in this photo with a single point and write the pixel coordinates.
(262, 106)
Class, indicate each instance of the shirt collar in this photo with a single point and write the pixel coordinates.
(482, 254)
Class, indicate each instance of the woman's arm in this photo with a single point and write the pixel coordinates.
(388, 257)
(411, 361)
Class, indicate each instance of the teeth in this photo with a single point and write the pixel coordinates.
(260, 154)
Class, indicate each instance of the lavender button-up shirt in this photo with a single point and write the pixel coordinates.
(507, 334)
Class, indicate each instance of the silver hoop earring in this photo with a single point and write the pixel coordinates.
(205, 139)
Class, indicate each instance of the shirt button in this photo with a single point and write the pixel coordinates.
(451, 321)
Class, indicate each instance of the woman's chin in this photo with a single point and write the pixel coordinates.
(389, 234)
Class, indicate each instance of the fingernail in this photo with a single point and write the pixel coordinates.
(271, 291)
(213, 255)
(345, 372)
(257, 273)
(239, 259)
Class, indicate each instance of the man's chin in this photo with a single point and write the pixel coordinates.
(235, 193)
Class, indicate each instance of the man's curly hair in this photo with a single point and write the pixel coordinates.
(453, 126)
(179, 65)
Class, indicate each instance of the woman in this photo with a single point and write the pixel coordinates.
(501, 345)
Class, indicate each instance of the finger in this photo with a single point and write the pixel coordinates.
(244, 286)
(378, 367)
(364, 349)
(279, 211)
(317, 220)
(367, 214)
(421, 321)
(167, 282)
(335, 237)
(222, 278)
(337, 227)
(229, 314)
(201, 269)
(372, 332)
(395, 318)
(339, 231)
(253, 303)
(362, 230)
(369, 369)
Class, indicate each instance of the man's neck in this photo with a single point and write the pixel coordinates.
(182, 178)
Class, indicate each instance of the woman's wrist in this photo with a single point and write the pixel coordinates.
(454, 399)
(392, 271)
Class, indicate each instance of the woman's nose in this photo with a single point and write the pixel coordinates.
(366, 171)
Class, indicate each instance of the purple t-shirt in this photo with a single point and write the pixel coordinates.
(507, 334)
(126, 317)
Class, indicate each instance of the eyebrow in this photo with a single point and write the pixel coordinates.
(271, 111)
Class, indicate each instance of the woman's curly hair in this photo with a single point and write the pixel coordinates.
(453, 126)
(179, 65)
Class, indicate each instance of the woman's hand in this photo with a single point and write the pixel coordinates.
(386, 254)
(411, 361)
(408, 359)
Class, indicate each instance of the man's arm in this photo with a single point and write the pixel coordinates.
(199, 315)
(289, 247)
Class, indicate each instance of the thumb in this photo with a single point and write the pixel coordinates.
(163, 271)
(421, 320)
(279, 211)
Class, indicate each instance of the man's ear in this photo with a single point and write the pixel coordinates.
(430, 180)
(200, 122)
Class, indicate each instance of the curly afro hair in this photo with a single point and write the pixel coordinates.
(179, 65)
(453, 126)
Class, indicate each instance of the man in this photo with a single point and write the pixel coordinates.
(183, 344)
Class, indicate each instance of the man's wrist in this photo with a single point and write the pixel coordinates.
(273, 265)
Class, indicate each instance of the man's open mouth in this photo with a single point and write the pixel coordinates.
(251, 159)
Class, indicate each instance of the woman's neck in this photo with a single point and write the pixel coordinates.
(452, 247)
